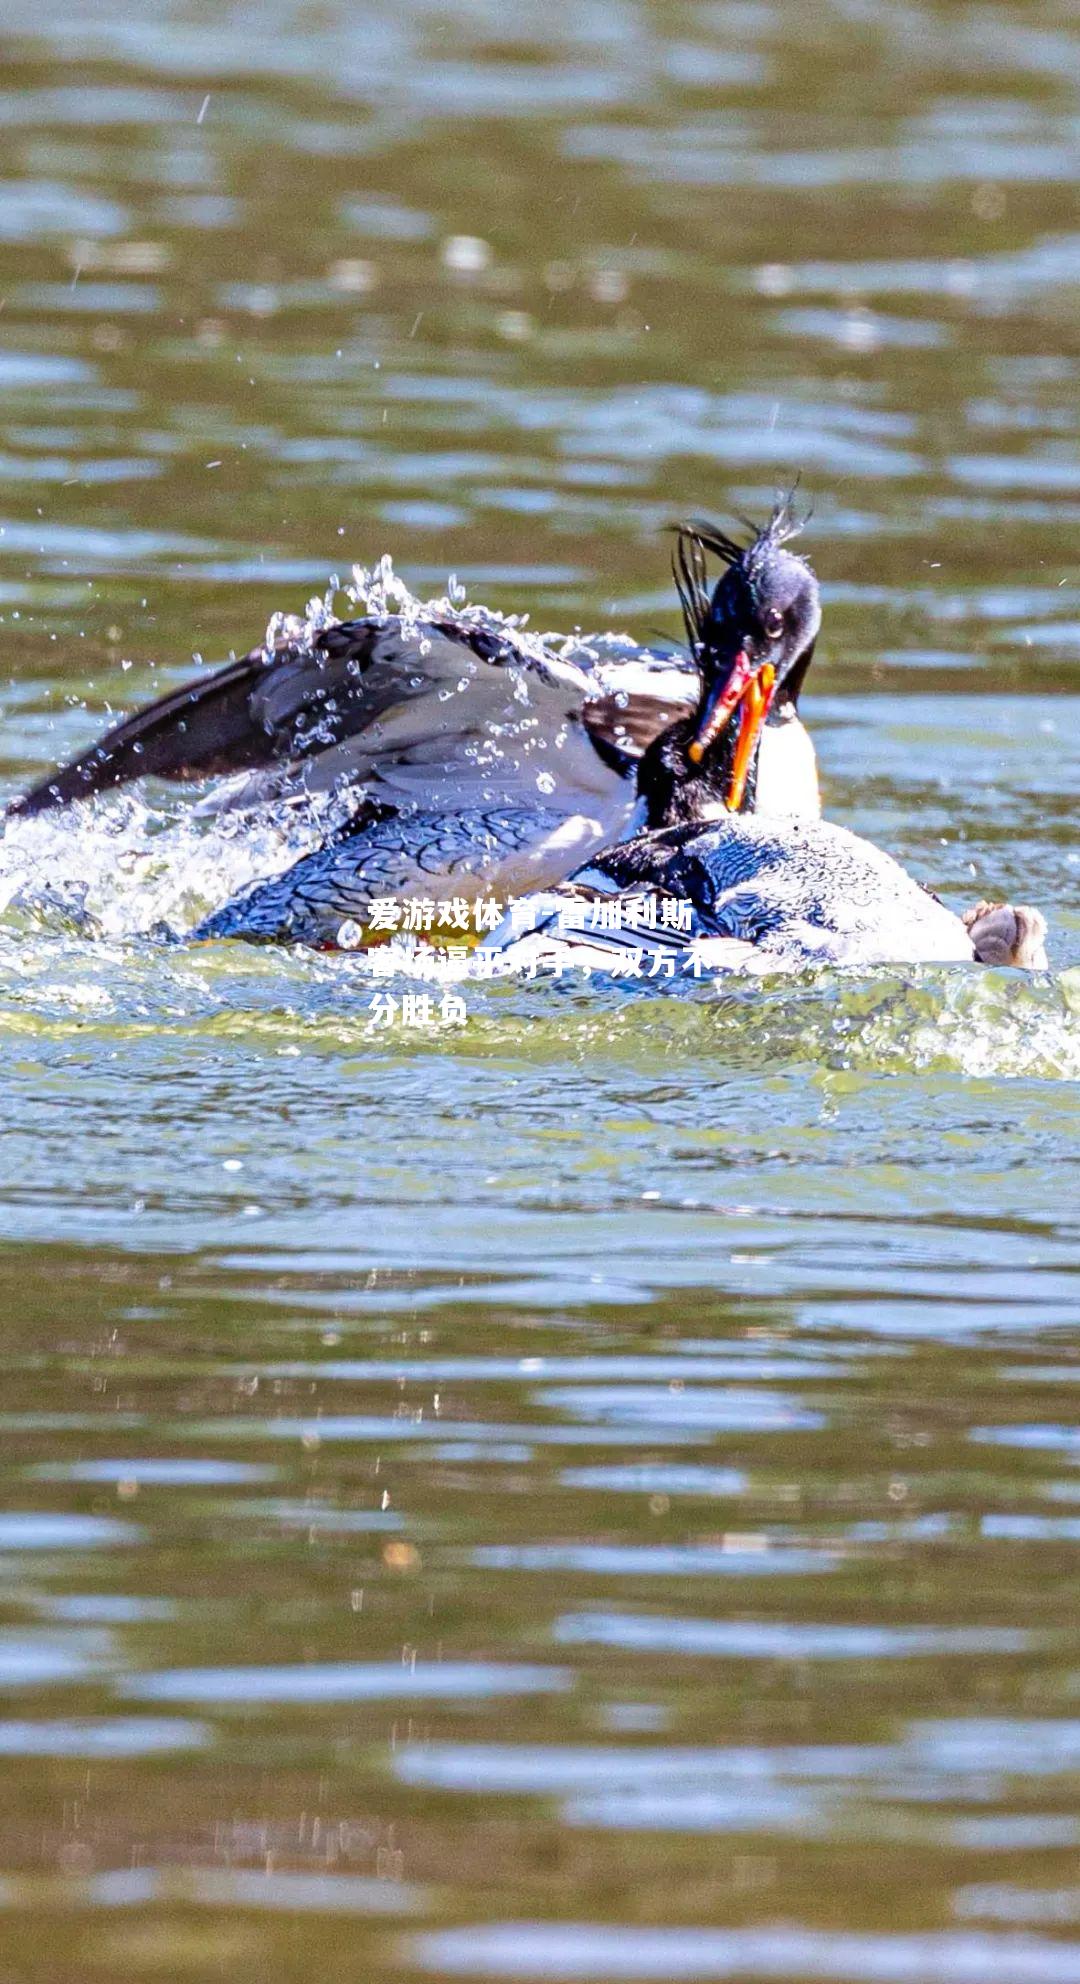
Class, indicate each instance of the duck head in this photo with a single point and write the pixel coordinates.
(752, 637)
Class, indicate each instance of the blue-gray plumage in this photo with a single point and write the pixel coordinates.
(764, 893)
(404, 856)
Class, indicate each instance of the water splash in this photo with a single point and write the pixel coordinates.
(130, 868)
(958, 1021)
(129, 865)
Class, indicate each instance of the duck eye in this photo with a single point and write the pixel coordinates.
(773, 624)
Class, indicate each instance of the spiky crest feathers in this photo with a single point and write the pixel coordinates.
(699, 536)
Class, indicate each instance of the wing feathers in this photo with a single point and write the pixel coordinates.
(193, 732)
(370, 696)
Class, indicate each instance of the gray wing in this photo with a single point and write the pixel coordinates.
(446, 712)
(452, 716)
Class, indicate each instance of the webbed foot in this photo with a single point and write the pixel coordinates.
(1007, 933)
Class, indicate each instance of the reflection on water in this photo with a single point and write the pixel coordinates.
(808, 1630)
(591, 1497)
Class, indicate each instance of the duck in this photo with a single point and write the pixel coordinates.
(445, 752)
(744, 893)
(760, 891)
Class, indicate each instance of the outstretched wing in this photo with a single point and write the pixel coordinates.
(203, 728)
(451, 711)
(269, 710)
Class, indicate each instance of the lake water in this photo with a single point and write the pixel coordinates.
(593, 1495)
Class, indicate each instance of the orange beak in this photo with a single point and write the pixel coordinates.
(750, 691)
(720, 705)
(756, 701)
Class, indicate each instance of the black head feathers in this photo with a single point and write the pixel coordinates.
(699, 537)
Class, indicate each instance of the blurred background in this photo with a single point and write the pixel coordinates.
(593, 1497)
(504, 292)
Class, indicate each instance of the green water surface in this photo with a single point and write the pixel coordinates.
(594, 1494)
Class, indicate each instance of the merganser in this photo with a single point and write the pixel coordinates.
(472, 758)
(762, 893)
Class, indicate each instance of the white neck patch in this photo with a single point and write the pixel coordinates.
(787, 780)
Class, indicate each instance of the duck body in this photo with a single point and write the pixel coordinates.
(477, 764)
(439, 754)
(517, 806)
(761, 893)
